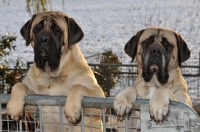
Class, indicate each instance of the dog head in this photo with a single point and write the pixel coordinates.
(50, 34)
(157, 51)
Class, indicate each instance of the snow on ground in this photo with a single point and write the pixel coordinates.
(108, 24)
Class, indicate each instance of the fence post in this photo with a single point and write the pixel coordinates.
(199, 62)
(108, 80)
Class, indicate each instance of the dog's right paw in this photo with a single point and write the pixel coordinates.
(123, 106)
(15, 109)
(72, 112)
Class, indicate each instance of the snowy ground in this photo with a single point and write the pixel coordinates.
(108, 24)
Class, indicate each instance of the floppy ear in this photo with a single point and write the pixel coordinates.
(183, 51)
(131, 46)
(75, 34)
(25, 31)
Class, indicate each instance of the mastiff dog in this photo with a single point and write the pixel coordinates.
(159, 53)
(59, 68)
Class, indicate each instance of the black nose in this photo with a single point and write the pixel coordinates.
(156, 51)
(44, 39)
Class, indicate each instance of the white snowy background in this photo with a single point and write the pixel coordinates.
(109, 24)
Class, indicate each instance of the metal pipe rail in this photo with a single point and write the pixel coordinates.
(181, 118)
(87, 102)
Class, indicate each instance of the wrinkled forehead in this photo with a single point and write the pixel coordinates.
(159, 33)
(50, 17)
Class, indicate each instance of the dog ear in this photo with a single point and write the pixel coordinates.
(75, 34)
(183, 50)
(25, 30)
(131, 46)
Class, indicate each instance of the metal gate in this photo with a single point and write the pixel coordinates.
(181, 118)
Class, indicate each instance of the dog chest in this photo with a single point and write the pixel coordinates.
(47, 86)
(146, 92)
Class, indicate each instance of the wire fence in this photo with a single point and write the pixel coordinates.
(114, 81)
(36, 118)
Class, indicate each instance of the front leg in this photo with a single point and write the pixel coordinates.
(124, 102)
(16, 103)
(72, 107)
(159, 104)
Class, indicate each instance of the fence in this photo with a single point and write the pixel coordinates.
(8, 77)
(126, 75)
(181, 118)
(113, 78)
(112, 82)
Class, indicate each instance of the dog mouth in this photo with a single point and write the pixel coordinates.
(43, 53)
(43, 58)
(154, 67)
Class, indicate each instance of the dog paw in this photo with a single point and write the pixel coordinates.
(15, 109)
(73, 112)
(159, 108)
(123, 106)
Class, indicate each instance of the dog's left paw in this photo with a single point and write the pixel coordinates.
(72, 111)
(123, 106)
(159, 105)
(159, 109)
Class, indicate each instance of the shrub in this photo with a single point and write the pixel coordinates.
(8, 77)
(108, 75)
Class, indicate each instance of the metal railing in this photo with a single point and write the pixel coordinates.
(114, 81)
(181, 118)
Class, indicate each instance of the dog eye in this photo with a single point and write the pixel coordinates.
(38, 27)
(58, 30)
(167, 45)
(146, 43)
